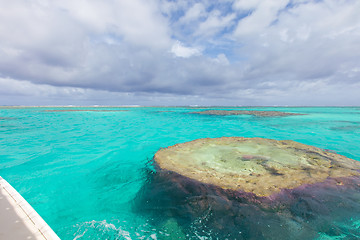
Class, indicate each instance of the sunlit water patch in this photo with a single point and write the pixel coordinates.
(86, 172)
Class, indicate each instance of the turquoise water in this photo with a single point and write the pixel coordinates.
(83, 171)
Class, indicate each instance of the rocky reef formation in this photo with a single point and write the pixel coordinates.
(246, 112)
(253, 188)
(255, 165)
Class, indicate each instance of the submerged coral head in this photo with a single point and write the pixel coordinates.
(255, 165)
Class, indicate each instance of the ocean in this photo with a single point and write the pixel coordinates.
(85, 172)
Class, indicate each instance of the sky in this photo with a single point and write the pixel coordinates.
(180, 52)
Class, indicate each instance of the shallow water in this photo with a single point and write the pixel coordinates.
(85, 171)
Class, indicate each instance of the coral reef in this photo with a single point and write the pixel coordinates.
(246, 112)
(256, 165)
(252, 188)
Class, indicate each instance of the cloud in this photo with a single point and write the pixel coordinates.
(263, 14)
(222, 59)
(302, 44)
(246, 5)
(179, 50)
(194, 13)
(215, 23)
(229, 52)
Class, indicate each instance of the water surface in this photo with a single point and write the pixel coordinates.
(84, 170)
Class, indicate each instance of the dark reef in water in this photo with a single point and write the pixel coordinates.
(349, 128)
(6, 118)
(246, 112)
(200, 209)
(323, 200)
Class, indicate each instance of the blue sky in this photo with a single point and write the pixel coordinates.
(160, 52)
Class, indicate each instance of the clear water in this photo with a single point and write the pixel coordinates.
(82, 171)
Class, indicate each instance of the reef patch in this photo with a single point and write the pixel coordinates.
(255, 165)
(252, 188)
(246, 112)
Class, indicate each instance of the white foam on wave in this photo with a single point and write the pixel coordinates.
(105, 228)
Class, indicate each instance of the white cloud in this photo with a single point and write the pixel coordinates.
(222, 59)
(246, 4)
(214, 23)
(179, 50)
(136, 21)
(70, 24)
(264, 13)
(298, 45)
(169, 7)
(193, 13)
